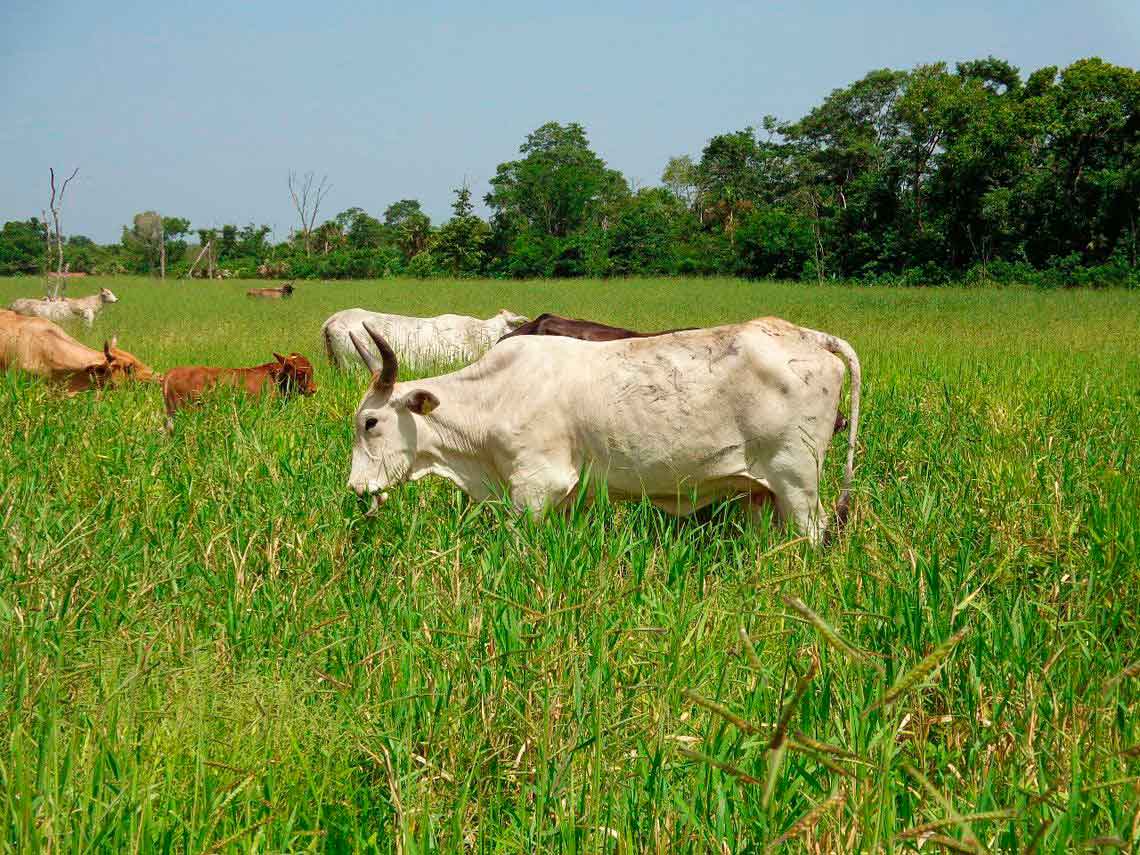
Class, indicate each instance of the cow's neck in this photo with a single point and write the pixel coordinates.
(70, 356)
(453, 442)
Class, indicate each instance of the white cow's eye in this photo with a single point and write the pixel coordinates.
(370, 423)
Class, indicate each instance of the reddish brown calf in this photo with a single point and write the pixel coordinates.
(289, 375)
(281, 293)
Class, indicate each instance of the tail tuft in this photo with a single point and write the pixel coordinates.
(842, 512)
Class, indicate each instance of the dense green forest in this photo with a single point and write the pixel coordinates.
(976, 173)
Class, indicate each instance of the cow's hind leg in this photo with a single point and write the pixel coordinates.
(797, 501)
(758, 503)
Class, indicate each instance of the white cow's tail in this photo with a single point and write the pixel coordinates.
(840, 348)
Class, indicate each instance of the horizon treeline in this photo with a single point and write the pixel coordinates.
(931, 175)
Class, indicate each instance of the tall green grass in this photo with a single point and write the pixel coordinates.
(204, 646)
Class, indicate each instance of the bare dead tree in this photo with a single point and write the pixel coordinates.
(47, 254)
(307, 202)
(190, 273)
(56, 206)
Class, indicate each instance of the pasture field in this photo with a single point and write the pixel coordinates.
(204, 646)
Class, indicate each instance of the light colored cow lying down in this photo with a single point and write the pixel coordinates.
(686, 419)
(37, 346)
(420, 342)
(65, 308)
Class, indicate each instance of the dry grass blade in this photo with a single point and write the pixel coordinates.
(833, 638)
(790, 707)
(778, 745)
(727, 768)
(809, 819)
(821, 758)
(1128, 672)
(1037, 835)
(222, 845)
(919, 830)
(949, 843)
(825, 748)
(725, 713)
(1098, 842)
(749, 650)
(918, 674)
(952, 814)
(775, 759)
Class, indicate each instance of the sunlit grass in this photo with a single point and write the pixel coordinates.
(204, 645)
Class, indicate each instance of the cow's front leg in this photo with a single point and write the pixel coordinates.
(541, 487)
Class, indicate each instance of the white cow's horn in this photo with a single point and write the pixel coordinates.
(387, 378)
(366, 356)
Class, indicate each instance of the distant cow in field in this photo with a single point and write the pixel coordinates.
(39, 347)
(548, 324)
(65, 308)
(286, 376)
(420, 342)
(280, 293)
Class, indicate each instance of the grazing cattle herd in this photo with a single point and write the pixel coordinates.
(683, 417)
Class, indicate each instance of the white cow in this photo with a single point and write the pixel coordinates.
(686, 419)
(422, 342)
(65, 308)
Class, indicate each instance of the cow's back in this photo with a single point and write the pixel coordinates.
(420, 341)
(690, 405)
(53, 310)
(38, 346)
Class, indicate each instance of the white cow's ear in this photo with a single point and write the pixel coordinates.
(421, 402)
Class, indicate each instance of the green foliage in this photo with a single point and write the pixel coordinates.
(409, 225)
(23, 247)
(363, 231)
(774, 243)
(559, 185)
(458, 246)
(422, 265)
(641, 240)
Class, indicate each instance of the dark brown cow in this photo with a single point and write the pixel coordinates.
(288, 375)
(281, 293)
(548, 324)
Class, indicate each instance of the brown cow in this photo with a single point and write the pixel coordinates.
(288, 375)
(281, 293)
(39, 347)
(548, 324)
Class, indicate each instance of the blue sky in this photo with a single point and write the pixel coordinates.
(201, 109)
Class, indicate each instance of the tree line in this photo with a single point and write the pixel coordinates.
(922, 176)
